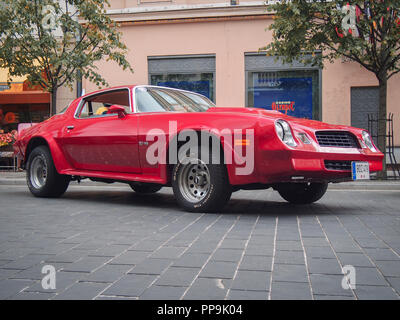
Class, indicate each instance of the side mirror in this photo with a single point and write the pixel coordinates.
(117, 109)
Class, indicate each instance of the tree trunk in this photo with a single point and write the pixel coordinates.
(53, 102)
(382, 115)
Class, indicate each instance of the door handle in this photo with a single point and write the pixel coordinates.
(70, 127)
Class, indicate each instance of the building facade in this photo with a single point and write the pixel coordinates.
(212, 47)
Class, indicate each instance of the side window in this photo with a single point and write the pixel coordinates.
(98, 105)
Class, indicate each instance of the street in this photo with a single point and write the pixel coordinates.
(106, 242)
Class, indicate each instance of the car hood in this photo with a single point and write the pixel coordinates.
(299, 123)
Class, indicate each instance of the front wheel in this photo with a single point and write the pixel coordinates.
(201, 187)
(42, 177)
(302, 193)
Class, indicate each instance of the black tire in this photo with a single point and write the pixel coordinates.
(145, 187)
(219, 189)
(53, 185)
(302, 193)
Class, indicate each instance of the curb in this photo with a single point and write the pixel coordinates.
(370, 185)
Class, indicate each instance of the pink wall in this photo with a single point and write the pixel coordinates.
(229, 40)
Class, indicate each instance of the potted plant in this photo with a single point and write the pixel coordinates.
(7, 140)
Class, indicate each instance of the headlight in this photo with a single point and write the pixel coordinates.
(368, 141)
(284, 132)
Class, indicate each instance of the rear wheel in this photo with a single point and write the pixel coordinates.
(302, 193)
(41, 175)
(200, 186)
(145, 187)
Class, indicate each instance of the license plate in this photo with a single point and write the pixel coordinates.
(360, 170)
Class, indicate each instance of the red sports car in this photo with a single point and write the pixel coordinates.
(152, 137)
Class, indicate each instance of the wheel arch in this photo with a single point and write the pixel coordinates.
(60, 162)
(224, 149)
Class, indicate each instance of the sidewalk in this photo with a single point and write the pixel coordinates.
(19, 178)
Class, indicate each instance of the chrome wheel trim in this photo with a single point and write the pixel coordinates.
(38, 172)
(194, 181)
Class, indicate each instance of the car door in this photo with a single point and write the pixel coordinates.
(98, 141)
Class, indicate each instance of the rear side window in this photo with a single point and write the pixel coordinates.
(98, 105)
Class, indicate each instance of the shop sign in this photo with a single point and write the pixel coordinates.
(292, 96)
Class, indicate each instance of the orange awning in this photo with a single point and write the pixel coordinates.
(24, 97)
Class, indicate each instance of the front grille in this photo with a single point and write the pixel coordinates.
(343, 139)
(338, 165)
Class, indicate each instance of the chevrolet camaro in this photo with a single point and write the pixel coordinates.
(152, 137)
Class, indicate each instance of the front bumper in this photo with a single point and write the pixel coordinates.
(292, 165)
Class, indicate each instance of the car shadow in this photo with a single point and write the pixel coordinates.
(165, 200)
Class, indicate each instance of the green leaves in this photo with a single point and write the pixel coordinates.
(304, 26)
(52, 54)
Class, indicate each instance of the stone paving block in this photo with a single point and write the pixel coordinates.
(355, 259)
(202, 246)
(148, 245)
(324, 266)
(110, 250)
(163, 293)
(263, 240)
(315, 242)
(131, 285)
(87, 264)
(251, 280)
(287, 235)
(9, 288)
(346, 247)
(151, 266)
(381, 254)
(219, 269)
(232, 255)
(25, 262)
(320, 252)
(233, 244)
(369, 276)
(375, 293)
(330, 285)
(289, 257)
(259, 250)
(81, 291)
(290, 291)
(32, 296)
(247, 295)
(100, 297)
(208, 289)
(7, 273)
(371, 243)
(108, 273)
(332, 297)
(389, 268)
(130, 257)
(289, 272)
(395, 283)
(168, 253)
(191, 260)
(289, 245)
(177, 276)
(67, 257)
(256, 263)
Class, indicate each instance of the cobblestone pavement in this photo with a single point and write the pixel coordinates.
(109, 243)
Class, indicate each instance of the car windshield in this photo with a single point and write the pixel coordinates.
(149, 99)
